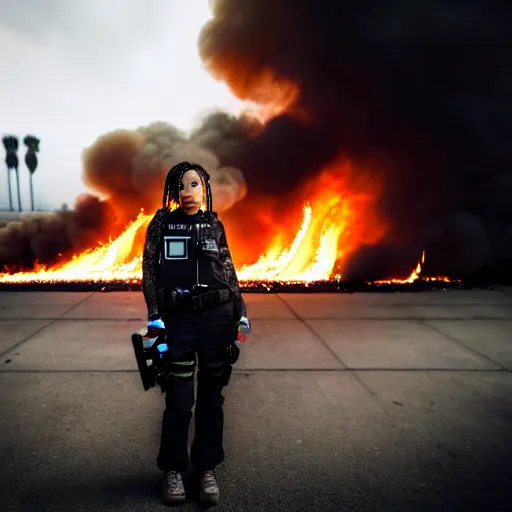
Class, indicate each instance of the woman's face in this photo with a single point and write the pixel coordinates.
(191, 192)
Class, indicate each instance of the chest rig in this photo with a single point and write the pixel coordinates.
(188, 248)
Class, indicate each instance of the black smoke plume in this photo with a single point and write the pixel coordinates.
(420, 89)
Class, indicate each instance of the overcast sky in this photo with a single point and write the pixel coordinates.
(74, 70)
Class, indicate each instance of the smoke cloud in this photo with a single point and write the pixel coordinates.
(418, 94)
(126, 171)
(419, 89)
(130, 167)
(45, 238)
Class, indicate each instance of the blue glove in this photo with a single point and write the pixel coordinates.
(244, 325)
(156, 324)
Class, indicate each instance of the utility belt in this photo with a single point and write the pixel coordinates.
(182, 299)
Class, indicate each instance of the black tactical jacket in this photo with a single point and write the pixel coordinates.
(223, 268)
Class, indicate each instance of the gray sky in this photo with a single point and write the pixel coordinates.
(72, 71)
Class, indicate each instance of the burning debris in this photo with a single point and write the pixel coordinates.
(307, 264)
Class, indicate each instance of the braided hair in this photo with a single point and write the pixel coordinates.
(173, 181)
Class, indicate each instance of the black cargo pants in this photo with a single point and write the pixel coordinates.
(204, 334)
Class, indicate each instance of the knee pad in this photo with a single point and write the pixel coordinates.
(215, 373)
(182, 367)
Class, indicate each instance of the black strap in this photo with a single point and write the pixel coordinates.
(205, 300)
(211, 299)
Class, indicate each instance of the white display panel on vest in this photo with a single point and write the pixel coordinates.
(176, 247)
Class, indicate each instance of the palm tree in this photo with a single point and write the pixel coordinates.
(11, 160)
(32, 144)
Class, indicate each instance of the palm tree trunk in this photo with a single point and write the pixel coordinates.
(9, 187)
(31, 193)
(19, 192)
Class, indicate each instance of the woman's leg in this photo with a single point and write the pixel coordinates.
(179, 400)
(213, 375)
(179, 397)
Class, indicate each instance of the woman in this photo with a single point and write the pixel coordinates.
(191, 290)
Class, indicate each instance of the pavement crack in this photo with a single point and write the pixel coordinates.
(37, 331)
(373, 394)
(80, 302)
(464, 346)
(315, 334)
(25, 339)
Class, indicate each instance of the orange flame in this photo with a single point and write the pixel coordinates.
(415, 275)
(335, 222)
(310, 257)
(107, 263)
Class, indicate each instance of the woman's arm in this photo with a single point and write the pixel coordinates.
(150, 257)
(227, 261)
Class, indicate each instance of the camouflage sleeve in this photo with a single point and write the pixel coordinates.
(150, 257)
(227, 261)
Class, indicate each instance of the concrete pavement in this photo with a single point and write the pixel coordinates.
(361, 402)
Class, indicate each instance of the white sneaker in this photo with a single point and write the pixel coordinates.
(209, 488)
(174, 490)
